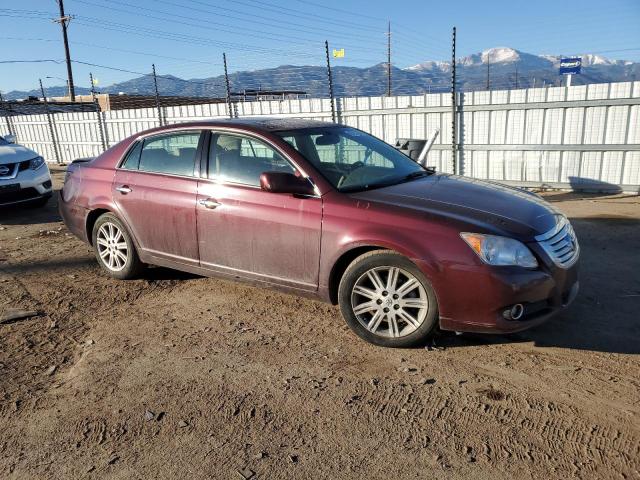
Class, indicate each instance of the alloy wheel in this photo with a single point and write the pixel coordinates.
(389, 301)
(112, 246)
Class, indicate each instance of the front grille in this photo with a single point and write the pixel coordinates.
(18, 195)
(8, 170)
(561, 244)
(24, 165)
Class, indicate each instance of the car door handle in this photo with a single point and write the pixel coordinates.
(124, 189)
(209, 203)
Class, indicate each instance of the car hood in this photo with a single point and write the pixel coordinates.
(15, 153)
(490, 206)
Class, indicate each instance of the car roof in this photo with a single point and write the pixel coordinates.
(269, 124)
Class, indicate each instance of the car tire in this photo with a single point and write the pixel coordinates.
(386, 300)
(114, 248)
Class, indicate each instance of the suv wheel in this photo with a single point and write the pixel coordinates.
(114, 248)
(387, 301)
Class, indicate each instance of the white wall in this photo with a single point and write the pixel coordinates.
(557, 135)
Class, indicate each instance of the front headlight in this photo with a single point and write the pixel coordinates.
(501, 251)
(36, 163)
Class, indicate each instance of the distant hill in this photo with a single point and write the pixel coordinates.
(507, 68)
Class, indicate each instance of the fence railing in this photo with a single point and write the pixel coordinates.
(585, 136)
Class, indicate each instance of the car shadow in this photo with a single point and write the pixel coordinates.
(604, 316)
(26, 214)
(153, 273)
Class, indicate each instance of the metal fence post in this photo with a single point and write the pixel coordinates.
(106, 131)
(227, 85)
(50, 120)
(155, 86)
(454, 101)
(330, 78)
(98, 113)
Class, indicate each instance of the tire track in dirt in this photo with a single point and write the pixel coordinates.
(525, 429)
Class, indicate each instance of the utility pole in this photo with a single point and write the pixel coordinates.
(333, 105)
(454, 119)
(516, 75)
(64, 21)
(155, 86)
(228, 86)
(389, 60)
(488, 63)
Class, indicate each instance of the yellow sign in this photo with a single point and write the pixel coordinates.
(95, 81)
(338, 53)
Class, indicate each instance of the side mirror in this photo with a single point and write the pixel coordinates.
(10, 138)
(282, 182)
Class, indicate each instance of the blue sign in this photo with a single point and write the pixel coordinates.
(570, 65)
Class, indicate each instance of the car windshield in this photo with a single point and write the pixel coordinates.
(352, 160)
(3, 141)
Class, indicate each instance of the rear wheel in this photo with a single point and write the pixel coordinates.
(114, 248)
(386, 300)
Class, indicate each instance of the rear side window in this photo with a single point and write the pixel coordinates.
(239, 159)
(133, 157)
(174, 154)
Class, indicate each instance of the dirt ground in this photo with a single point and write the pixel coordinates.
(178, 376)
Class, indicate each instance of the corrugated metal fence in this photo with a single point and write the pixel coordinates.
(582, 136)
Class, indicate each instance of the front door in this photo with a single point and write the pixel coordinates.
(245, 231)
(155, 190)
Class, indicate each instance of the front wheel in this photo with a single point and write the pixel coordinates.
(114, 248)
(387, 300)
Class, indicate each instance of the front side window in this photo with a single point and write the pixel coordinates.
(238, 159)
(173, 154)
(352, 160)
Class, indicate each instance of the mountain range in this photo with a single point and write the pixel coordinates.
(507, 68)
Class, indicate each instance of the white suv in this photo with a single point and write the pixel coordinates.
(24, 175)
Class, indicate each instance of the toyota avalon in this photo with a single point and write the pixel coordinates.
(329, 211)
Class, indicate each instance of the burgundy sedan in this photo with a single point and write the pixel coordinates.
(328, 211)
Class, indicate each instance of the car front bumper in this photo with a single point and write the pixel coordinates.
(483, 300)
(28, 185)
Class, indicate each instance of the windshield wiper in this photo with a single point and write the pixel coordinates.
(417, 174)
(371, 186)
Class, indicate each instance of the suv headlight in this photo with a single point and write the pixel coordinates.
(36, 163)
(501, 251)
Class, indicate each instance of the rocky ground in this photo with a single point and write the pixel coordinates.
(178, 376)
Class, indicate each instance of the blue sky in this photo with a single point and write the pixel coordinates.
(187, 37)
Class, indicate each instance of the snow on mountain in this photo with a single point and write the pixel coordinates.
(500, 55)
(507, 55)
(430, 65)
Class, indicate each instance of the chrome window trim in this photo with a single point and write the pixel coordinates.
(185, 177)
(213, 130)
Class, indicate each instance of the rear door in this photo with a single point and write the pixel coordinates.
(155, 190)
(246, 231)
